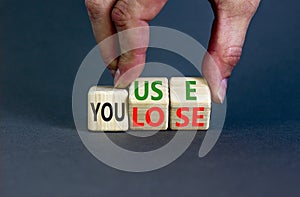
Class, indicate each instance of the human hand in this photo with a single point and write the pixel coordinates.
(232, 18)
(111, 16)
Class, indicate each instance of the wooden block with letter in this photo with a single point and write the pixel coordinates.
(190, 103)
(149, 104)
(107, 109)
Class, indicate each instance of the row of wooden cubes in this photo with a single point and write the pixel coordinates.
(147, 103)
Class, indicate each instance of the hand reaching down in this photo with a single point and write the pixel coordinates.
(232, 18)
(111, 16)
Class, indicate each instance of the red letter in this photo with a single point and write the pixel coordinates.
(196, 116)
(183, 117)
(161, 116)
(135, 118)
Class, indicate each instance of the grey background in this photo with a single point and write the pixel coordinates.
(42, 44)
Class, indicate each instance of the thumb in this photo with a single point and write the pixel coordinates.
(228, 34)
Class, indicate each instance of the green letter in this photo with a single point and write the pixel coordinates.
(158, 91)
(136, 91)
(189, 90)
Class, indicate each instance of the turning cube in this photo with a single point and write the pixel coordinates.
(149, 104)
(107, 109)
(190, 103)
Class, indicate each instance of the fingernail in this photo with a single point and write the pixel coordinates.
(121, 80)
(117, 77)
(222, 90)
(112, 72)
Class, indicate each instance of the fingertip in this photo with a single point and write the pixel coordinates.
(217, 83)
(119, 80)
(218, 94)
(124, 77)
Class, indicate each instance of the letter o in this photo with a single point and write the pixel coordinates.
(106, 119)
(161, 116)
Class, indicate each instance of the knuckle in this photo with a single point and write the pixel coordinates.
(121, 13)
(232, 56)
(97, 8)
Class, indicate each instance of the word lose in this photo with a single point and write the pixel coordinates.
(146, 105)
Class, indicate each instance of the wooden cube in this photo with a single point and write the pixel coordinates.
(190, 103)
(149, 104)
(107, 109)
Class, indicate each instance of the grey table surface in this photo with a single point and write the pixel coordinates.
(42, 44)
